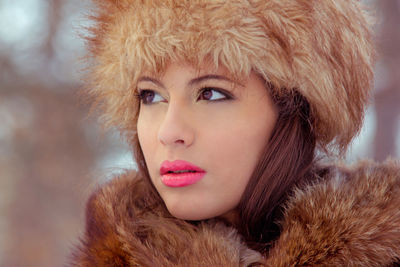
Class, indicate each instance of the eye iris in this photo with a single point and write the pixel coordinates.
(149, 97)
(207, 94)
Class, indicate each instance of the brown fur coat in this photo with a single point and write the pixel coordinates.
(351, 218)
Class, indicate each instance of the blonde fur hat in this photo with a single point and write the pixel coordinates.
(322, 49)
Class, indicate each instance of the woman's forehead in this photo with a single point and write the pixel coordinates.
(199, 69)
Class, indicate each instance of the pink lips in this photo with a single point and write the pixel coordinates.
(180, 173)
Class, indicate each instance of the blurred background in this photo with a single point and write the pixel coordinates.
(52, 153)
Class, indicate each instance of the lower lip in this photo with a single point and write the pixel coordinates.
(181, 179)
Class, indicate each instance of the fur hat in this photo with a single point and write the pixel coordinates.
(322, 49)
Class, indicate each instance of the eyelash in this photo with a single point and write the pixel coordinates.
(142, 94)
(223, 92)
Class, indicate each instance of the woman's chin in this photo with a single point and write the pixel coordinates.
(188, 215)
(191, 214)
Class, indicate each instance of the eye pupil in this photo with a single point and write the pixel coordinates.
(149, 97)
(207, 94)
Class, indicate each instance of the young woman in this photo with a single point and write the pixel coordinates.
(227, 106)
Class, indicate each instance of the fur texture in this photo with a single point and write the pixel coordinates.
(350, 218)
(323, 49)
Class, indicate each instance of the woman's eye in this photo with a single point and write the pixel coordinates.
(211, 94)
(150, 97)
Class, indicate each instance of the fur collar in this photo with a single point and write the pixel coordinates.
(352, 218)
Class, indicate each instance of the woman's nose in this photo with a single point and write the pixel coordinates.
(176, 128)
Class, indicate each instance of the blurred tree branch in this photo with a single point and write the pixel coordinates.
(54, 17)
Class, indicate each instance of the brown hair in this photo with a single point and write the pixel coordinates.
(286, 161)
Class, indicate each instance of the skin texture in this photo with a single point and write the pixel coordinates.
(224, 137)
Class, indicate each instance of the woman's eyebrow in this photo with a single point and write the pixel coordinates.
(149, 79)
(209, 77)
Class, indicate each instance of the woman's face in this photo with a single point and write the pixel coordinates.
(202, 135)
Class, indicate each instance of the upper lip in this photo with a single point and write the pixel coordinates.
(178, 165)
